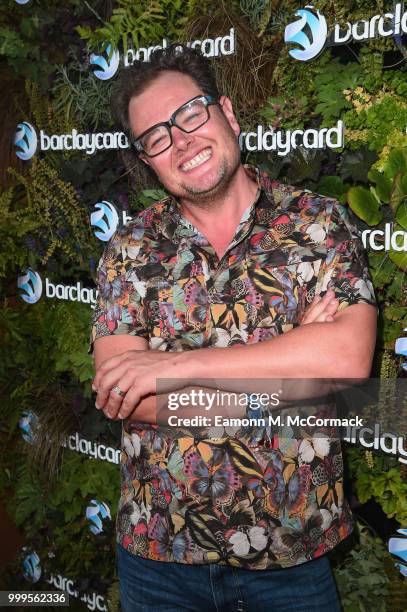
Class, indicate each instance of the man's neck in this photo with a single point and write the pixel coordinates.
(225, 209)
(219, 219)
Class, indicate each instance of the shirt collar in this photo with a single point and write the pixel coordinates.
(172, 219)
(264, 182)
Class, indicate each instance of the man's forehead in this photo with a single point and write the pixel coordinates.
(161, 98)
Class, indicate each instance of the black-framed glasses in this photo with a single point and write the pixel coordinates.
(188, 118)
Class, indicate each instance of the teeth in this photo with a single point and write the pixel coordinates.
(197, 160)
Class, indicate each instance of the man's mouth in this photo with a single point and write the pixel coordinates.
(199, 159)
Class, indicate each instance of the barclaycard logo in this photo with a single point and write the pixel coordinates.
(398, 548)
(96, 515)
(106, 63)
(374, 438)
(284, 141)
(105, 219)
(30, 284)
(31, 567)
(92, 600)
(28, 423)
(25, 140)
(309, 32)
(384, 239)
(93, 449)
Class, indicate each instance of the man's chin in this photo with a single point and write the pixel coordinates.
(206, 189)
(193, 189)
(200, 190)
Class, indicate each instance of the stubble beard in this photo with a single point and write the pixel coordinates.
(206, 197)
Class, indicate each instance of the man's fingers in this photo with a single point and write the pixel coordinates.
(111, 378)
(324, 317)
(318, 306)
(328, 303)
(133, 397)
(114, 400)
(107, 382)
(113, 403)
(321, 317)
(107, 366)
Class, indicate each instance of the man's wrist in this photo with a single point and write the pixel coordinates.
(195, 364)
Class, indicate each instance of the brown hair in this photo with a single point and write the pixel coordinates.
(134, 80)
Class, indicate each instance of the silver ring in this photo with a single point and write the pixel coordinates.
(117, 390)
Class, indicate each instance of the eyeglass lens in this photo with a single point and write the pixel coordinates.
(188, 118)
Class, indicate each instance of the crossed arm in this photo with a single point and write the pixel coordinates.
(328, 344)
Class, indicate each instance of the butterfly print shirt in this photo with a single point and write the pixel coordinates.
(253, 499)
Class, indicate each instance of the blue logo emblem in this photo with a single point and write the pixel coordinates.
(28, 424)
(31, 285)
(31, 567)
(398, 548)
(25, 140)
(106, 219)
(107, 62)
(401, 349)
(22, 1)
(310, 24)
(96, 514)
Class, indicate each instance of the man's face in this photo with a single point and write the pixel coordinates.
(215, 142)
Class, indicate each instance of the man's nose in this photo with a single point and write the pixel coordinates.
(180, 139)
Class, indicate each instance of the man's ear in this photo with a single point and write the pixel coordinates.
(144, 158)
(227, 108)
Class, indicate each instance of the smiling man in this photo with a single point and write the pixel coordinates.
(233, 276)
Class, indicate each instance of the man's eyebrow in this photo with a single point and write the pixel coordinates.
(173, 112)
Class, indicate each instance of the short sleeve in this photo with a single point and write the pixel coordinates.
(119, 306)
(345, 269)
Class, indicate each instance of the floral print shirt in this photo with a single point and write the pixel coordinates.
(252, 499)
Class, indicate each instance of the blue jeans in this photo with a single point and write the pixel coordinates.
(148, 586)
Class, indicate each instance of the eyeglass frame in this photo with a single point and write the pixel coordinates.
(206, 99)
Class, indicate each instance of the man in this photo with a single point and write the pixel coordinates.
(232, 276)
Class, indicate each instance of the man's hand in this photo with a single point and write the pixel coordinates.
(321, 309)
(135, 372)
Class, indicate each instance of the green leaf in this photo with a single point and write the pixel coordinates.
(401, 215)
(11, 44)
(394, 313)
(331, 104)
(84, 32)
(398, 192)
(334, 187)
(365, 205)
(399, 257)
(383, 184)
(396, 163)
(355, 165)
